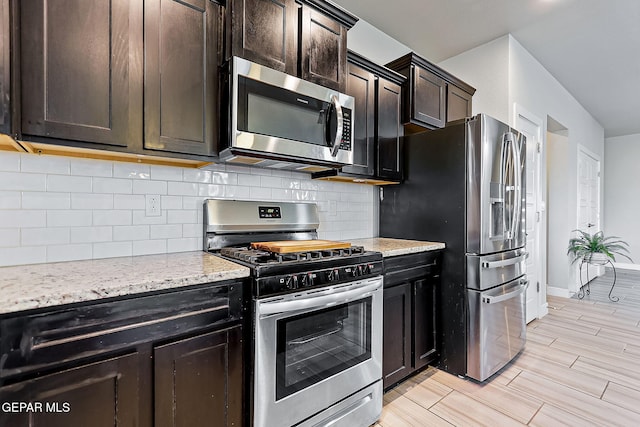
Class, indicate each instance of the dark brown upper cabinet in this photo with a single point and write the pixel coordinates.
(5, 106)
(323, 58)
(81, 71)
(431, 96)
(182, 54)
(265, 32)
(306, 38)
(378, 130)
(458, 103)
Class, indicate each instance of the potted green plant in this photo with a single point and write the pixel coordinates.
(596, 248)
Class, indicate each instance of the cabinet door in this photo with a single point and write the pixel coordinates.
(396, 345)
(424, 321)
(181, 75)
(429, 92)
(324, 50)
(361, 85)
(458, 103)
(390, 130)
(265, 32)
(81, 68)
(102, 394)
(5, 119)
(198, 381)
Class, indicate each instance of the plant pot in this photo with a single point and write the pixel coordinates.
(597, 258)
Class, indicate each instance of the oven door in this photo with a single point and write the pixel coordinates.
(315, 348)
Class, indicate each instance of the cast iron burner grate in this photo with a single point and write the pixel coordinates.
(259, 256)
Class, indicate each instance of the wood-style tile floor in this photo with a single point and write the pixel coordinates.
(580, 367)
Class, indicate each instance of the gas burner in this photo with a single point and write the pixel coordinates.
(260, 256)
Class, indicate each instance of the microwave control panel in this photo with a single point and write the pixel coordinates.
(345, 144)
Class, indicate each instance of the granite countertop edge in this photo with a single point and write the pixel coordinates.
(390, 247)
(40, 286)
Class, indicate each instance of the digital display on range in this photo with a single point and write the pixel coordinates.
(269, 212)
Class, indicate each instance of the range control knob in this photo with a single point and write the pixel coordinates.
(333, 275)
(291, 282)
(306, 280)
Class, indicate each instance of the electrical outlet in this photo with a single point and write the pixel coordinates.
(152, 205)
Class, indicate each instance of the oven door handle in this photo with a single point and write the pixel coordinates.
(317, 302)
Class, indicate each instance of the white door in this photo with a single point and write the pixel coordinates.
(588, 201)
(531, 127)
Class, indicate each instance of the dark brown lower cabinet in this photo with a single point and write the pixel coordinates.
(198, 380)
(99, 394)
(162, 359)
(410, 325)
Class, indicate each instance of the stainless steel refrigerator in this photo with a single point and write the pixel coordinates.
(465, 186)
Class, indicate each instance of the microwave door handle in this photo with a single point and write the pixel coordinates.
(335, 144)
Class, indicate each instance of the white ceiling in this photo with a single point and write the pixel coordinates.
(592, 47)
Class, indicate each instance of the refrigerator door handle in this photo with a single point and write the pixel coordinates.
(500, 298)
(506, 262)
(517, 193)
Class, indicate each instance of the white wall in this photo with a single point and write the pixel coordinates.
(60, 208)
(373, 44)
(621, 201)
(531, 86)
(558, 210)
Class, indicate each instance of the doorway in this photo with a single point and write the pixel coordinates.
(531, 126)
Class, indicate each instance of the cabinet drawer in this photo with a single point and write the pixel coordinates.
(402, 268)
(37, 341)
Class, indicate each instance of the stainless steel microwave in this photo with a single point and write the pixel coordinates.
(280, 121)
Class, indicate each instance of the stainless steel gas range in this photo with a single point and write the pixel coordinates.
(316, 314)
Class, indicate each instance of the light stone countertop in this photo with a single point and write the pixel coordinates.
(394, 247)
(42, 285)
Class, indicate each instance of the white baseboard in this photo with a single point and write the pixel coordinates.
(558, 292)
(626, 266)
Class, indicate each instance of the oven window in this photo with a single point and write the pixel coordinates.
(317, 345)
(268, 110)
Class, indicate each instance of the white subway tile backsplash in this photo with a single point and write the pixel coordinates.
(129, 201)
(45, 164)
(71, 184)
(10, 199)
(140, 217)
(45, 200)
(99, 209)
(73, 252)
(197, 175)
(17, 218)
(9, 161)
(91, 167)
(182, 217)
(184, 244)
(131, 170)
(192, 230)
(21, 255)
(112, 249)
(165, 173)
(258, 193)
(149, 247)
(166, 231)
(18, 181)
(131, 232)
(91, 234)
(248, 180)
(210, 190)
(11, 237)
(112, 185)
(91, 201)
(68, 218)
(236, 192)
(182, 189)
(112, 217)
(44, 236)
(171, 202)
(149, 187)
